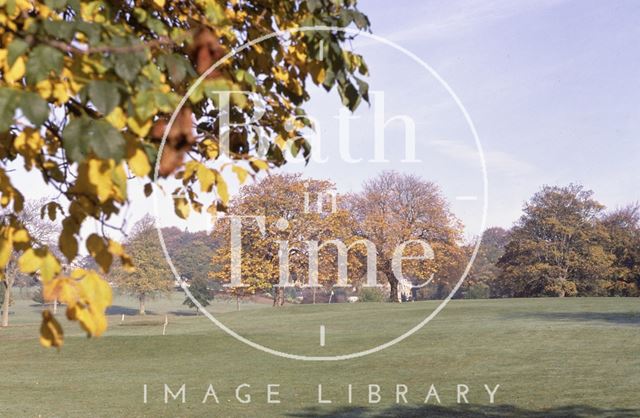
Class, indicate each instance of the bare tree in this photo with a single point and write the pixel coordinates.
(42, 231)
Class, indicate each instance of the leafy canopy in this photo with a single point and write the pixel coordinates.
(558, 247)
(87, 88)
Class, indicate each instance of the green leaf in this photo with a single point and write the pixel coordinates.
(16, 48)
(166, 102)
(128, 66)
(91, 30)
(8, 105)
(145, 104)
(61, 29)
(152, 153)
(55, 4)
(34, 107)
(84, 135)
(74, 139)
(177, 66)
(350, 96)
(313, 5)
(215, 14)
(106, 141)
(104, 95)
(42, 60)
(363, 88)
(329, 79)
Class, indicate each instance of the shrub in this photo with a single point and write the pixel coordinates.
(560, 288)
(478, 291)
(371, 294)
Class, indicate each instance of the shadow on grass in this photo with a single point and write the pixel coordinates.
(620, 318)
(119, 310)
(183, 313)
(469, 411)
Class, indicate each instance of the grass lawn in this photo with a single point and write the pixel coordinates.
(551, 357)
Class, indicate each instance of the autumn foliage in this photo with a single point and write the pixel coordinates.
(391, 209)
(86, 92)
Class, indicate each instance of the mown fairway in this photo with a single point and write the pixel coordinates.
(551, 357)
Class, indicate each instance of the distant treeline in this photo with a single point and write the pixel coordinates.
(564, 244)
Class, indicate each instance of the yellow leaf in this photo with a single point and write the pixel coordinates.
(96, 291)
(95, 176)
(280, 74)
(99, 251)
(94, 324)
(127, 263)
(206, 177)
(29, 261)
(240, 172)
(49, 268)
(139, 163)
(6, 246)
(182, 207)
(100, 177)
(51, 334)
(159, 3)
(87, 296)
(117, 118)
(20, 239)
(140, 129)
(258, 165)
(115, 248)
(210, 149)
(16, 71)
(119, 179)
(223, 192)
(29, 144)
(62, 289)
(60, 93)
(44, 88)
(190, 168)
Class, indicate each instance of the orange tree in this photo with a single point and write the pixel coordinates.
(280, 199)
(395, 208)
(86, 91)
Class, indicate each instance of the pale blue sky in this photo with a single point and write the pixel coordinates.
(552, 86)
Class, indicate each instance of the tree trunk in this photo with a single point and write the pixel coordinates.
(55, 306)
(278, 296)
(8, 282)
(5, 302)
(393, 291)
(314, 295)
(142, 310)
(237, 301)
(386, 268)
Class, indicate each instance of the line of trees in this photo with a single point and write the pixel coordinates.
(190, 253)
(392, 208)
(564, 244)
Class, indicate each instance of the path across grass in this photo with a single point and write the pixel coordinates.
(551, 357)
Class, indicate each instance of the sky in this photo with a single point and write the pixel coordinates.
(551, 86)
